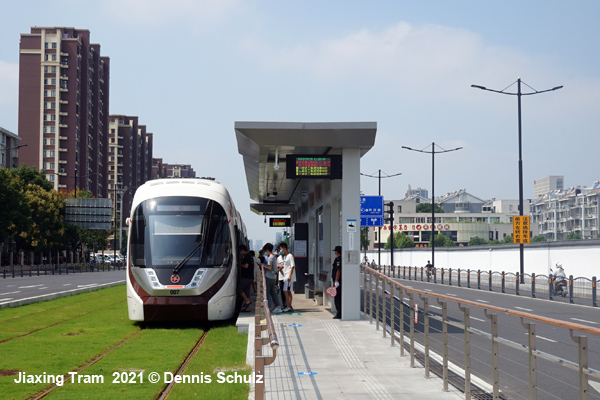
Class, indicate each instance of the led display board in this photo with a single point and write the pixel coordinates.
(299, 166)
(280, 222)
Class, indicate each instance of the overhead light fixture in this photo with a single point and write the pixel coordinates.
(276, 166)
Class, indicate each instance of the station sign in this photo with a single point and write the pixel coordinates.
(280, 222)
(521, 229)
(299, 166)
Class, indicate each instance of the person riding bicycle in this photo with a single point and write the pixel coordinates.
(429, 269)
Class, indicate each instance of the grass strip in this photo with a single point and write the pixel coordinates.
(78, 306)
(153, 350)
(31, 310)
(222, 357)
(61, 348)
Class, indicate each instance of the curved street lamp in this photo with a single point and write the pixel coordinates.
(519, 94)
(433, 153)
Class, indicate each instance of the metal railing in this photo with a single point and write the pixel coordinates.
(262, 313)
(453, 349)
(16, 271)
(580, 290)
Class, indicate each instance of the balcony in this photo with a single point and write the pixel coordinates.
(61, 125)
(61, 101)
(62, 149)
(63, 114)
(62, 161)
(62, 137)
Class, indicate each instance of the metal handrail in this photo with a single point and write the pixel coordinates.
(491, 313)
(262, 311)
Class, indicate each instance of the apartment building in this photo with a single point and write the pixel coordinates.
(9, 149)
(129, 159)
(179, 171)
(547, 184)
(558, 213)
(63, 107)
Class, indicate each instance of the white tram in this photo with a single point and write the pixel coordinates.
(182, 251)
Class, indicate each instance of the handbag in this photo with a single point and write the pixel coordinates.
(331, 291)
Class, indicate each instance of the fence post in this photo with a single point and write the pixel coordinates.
(434, 275)
(550, 287)
(495, 372)
(467, 334)
(533, 285)
(517, 284)
(444, 343)
(531, 347)
(30, 267)
(364, 293)
(4, 272)
(571, 289)
(490, 277)
(479, 279)
(469, 278)
(404, 272)
(401, 323)
(594, 304)
(377, 302)
(442, 276)
(392, 313)
(412, 329)
(458, 278)
(426, 332)
(409, 273)
(383, 306)
(449, 276)
(503, 283)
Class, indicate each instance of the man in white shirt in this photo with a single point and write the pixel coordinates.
(289, 272)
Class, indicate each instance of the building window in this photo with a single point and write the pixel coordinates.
(53, 80)
(52, 165)
(52, 129)
(52, 153)
(50, 178)
(53, 45)
(53, 57)
(44, 153)
(46, 45)
(45, 68)
(53, 105)
(53, 69)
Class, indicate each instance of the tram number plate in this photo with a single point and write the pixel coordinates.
(174, 292)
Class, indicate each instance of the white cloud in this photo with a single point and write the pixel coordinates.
(422, 60)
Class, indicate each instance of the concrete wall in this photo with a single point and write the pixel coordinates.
(579, 258)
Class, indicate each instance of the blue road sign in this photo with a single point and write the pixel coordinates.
(371, 210)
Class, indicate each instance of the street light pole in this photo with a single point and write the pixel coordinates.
(433, 153)
(519, 93)
(379, 228)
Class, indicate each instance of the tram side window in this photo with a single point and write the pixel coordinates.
(138, 239)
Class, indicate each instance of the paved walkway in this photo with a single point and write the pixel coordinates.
(347, 359)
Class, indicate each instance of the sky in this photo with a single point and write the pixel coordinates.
(190, 68)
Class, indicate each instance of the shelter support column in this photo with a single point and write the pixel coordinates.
(351, 233)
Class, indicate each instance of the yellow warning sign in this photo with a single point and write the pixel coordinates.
(521, 229)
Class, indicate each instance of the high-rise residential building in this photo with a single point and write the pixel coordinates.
(9, 153)
(63, 107)
(158, 170)
(129, 159)
(179, 170)
(548, 184)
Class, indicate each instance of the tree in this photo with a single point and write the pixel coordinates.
(28, 175)
(574, 236)
(46, 227)
(14, 208)
(538, 238)
(364, 238)
(507, 239)
(442, 240)
(426, 208)
(401, 241)
(476, 241)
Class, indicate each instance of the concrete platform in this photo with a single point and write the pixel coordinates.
(345, 359)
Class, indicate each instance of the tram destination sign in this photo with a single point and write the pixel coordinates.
(307, 166)
(280, 222)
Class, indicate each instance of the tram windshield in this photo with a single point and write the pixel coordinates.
(180, 232)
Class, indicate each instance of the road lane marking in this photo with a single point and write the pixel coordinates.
(583, 320)
(451, 294)
(439, 308)
(524, 309)
(27, 287)
(91, 284)
(483, 301)
(10, 298)
(543, 338)
(4, 294)
(478, 319)
(67, 284)
(43, 287)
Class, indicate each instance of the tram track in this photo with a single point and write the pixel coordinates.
(66, 377)
(165, 393)
(59, 322)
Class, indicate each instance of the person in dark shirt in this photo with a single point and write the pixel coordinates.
(336, 273)
(246, 265)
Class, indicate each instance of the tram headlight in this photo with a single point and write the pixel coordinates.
(152, 278)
